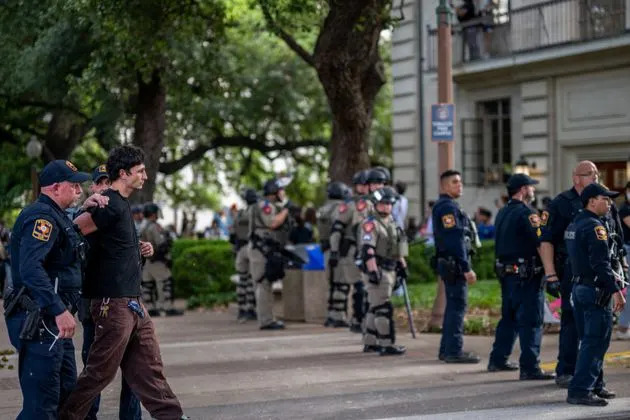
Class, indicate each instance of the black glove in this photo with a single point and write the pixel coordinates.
(552, 287)
(373, 277)
(333, 259)
(289, 205)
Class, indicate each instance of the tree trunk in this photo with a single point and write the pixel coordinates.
(149, 130)
(350, 69)
(64, 133)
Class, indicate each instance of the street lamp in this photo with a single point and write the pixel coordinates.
(521, 166)
(34, 151)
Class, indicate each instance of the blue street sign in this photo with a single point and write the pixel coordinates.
(442, 122)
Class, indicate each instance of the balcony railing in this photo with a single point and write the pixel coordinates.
(537, 26)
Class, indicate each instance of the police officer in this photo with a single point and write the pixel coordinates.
(594, 283)
(452, 232)
(554, 221)
(267, 220)
(520, 272)
(47, 254)
(377, 178)
(343, 244)
(156, 271)
(382, 247)
(245, 289)
(339, 285)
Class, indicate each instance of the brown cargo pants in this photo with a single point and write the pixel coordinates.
(123, 339)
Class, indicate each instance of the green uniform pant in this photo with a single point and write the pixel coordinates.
(264, 294)
(379, 328)
(245, 287)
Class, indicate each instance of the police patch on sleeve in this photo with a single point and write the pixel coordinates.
(368, 227)
(343, 208)
(448, 220)
(42, 230)
(534, 220)
(543, 218)
(600, 232)
(266, 207)
(361, 204)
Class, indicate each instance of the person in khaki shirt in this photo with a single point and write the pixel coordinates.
(343, 240)
(266, 223)
(382, 246)
(156, 272)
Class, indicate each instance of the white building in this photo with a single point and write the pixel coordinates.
(552, 85)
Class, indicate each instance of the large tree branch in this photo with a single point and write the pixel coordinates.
(42, 104)
(237, 141)
(288, 39)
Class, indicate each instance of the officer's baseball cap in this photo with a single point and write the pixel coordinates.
(517, 181)
(99, 172)
(61, 171)
(595, 189)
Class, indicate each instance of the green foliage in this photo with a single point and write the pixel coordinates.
(14, 178)
(181, 245)
(420, 270)
(483, 261)
(203, 269)
(485, 294)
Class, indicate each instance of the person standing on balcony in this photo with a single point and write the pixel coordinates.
(466, 15)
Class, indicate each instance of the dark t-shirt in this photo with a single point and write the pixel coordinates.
(114, 268)
(624, 212)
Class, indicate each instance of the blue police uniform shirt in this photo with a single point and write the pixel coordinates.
(449, 228)
(518, 229)
(558, 215)
(587, 244)
(624, 212)
(45, 249)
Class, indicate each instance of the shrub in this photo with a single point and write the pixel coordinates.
(204, 268)
(180, 245)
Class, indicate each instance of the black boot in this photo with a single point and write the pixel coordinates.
(393, 350)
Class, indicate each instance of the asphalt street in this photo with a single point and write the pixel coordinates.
(221, 369)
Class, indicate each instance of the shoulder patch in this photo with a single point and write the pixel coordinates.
(534, 220)
(265, 207)
(448, 220)
(543, 218)
(343, 207)
(368, 226)
(600, 232)
(361, 205)
(42, 230)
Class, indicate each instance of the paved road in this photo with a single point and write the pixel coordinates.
(221, 369)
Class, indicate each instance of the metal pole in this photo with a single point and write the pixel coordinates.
(421, 116)
(446, 153)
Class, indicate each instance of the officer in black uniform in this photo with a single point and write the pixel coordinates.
(594, 284)
(519, 270)
(48, 253)
(451, 227)
(554, 221)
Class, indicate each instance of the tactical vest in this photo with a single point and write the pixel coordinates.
(387, 245)
(241, 225)
(325, 219)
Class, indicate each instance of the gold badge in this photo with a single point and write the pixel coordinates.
(42, 230)
(538, 232)
(448, 220)
(102, 169)
(600, 232)
(534, 220)
(71, 166)
(543, 218)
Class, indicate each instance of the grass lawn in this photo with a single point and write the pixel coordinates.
(484, 306)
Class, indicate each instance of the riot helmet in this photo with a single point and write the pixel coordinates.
(250, 196)
(337, 190)
(385, 195)
(377, 176)
(150, 209)
(271, 187)
(360, 177)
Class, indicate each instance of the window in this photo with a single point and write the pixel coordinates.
(487, 143)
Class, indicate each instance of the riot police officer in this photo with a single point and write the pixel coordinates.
(47, 253)
(382, 246)
(554, 221)
(266, 224)
(452, 232)
(377, 178)
(343, 244)
(594, 284)
(156, 274)
(339, 286)
(520, 272)
(245, 289)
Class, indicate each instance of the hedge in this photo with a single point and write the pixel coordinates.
(204, 267)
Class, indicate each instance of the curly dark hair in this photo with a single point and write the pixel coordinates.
(125, 158)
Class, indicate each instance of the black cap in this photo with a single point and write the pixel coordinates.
(517, 181)
(137, 209)
(61, 171)
(595, 189)
(99, 172)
